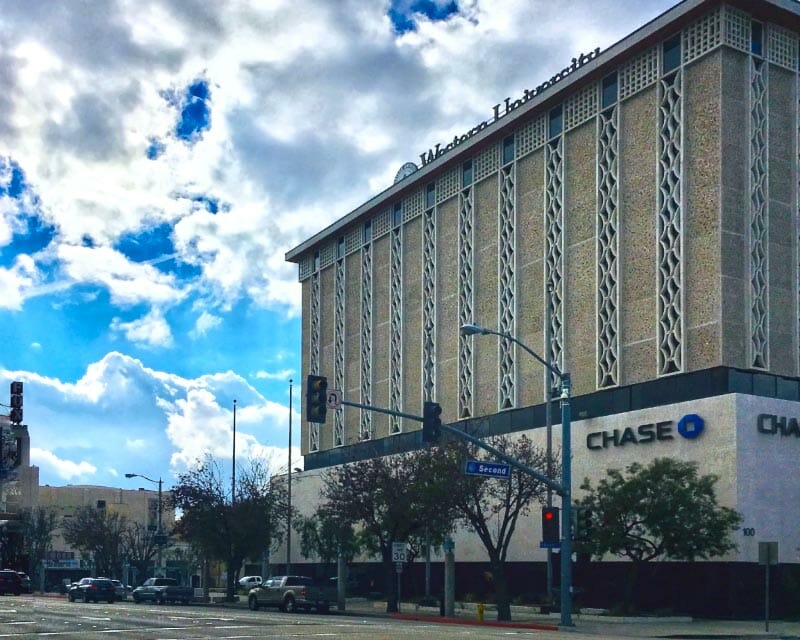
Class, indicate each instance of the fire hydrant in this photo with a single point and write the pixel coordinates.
(480, 608)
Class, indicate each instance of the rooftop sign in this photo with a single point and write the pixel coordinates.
(502, 109)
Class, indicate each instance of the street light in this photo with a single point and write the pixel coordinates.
(159, 534)
(566, 466)
(289, 492)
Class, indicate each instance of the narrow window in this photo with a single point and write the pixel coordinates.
(316, 261)
(430, 195)
(368, 231)
(555, 122)
(672, 54)
(609, 90)
(508, 149)
(397, 215)
(340, 248)
(466, 173)
(756, 38)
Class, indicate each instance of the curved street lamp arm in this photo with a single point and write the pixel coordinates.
(471, 329)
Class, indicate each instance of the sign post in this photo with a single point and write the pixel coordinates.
(398, 557)
(767, 555)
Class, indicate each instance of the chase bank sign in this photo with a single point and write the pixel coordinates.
(689, 426)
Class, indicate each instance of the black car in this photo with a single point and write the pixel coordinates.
(10, 582)
(92, 590)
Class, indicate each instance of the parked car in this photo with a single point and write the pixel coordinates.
(162, 590)
(120, 590)
(25, 582)
(292, 593)
(353, 587)
(250, 581)
(10, 582)
(92, 590)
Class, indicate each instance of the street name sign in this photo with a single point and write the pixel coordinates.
(488, 469)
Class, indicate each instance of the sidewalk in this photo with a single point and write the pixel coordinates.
(601, 625)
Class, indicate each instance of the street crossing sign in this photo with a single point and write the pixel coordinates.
(488, 469)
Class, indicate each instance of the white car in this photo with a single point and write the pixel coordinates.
(250, 581)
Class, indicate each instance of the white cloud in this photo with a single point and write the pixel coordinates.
(128, 282)
(136, 445)
(17, 281)
(63, 469)
(205, 323)
(36, 346)
(306, 123)
(285, 374)
(151, 330)
(144, 421)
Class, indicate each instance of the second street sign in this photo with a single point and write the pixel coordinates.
(488, 469)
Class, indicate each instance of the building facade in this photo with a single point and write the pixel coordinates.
(644, 202)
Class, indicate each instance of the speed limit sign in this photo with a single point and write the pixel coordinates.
(398, 552)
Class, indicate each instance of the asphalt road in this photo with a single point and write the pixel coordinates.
(47, 617)
(38, 617)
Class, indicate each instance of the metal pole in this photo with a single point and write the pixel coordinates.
(766, 597)
(289, 498)
(233, 464)
(566, 505)
(160, 546)
(548, 418)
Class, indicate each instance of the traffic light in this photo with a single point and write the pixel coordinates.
(550, 527)
(16, 403)
(431, 422)
(583, 524)
(316, 398)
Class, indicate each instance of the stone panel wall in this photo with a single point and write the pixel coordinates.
(637, 228)
(486, 348)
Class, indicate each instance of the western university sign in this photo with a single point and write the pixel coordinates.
(502, 109)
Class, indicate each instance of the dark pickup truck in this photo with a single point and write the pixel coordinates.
(292, 593)
(162, 590)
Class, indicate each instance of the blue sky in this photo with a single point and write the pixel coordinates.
(158, 159)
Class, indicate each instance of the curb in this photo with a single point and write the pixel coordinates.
(474, 623)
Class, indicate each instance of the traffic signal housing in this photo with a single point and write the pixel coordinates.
(550, 522)
(584, 523)
(431, 422)
(16, 403)
(316, 398)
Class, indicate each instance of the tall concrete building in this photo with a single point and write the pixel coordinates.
(645, 199)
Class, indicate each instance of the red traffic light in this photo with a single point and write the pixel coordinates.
(550, 524)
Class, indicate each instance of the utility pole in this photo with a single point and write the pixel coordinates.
(548, 418)
(289, 496)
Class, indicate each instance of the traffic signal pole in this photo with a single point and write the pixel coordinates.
(563, 489)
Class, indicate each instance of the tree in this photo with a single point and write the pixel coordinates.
(99, 534)
(37, 530)
(391, 499)
(492, 507)
(225, 529)
(140, 547)
(326, 534)
(665, 510)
